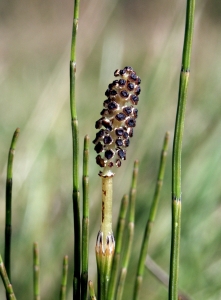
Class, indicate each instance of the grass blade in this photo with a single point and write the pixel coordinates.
(151, 219)
(85, 221)
(177, 150)
(63, 290)
(129, 242)
(8, 210)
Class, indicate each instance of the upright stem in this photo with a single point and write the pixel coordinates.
(106, 209)
(75, 138)
(85, 221)
(36, 272)
(151, 219)
(119, 243)
(177, 149)
(8, 211)
(129, 240)
(91, 290)
(105, 244)
(63, 289)
(8, 287)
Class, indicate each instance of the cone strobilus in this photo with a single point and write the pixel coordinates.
(116, 128)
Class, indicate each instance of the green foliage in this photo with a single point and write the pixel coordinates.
(34, 96)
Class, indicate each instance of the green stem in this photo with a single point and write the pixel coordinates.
(63, 290)
(105, 244)
(8, 287)
(75, 138)
(36, 272)
(91, 290)
(177, 149)
(8, 211)
(119, 242)
(151, 219)
(85, 221)
(129, 241)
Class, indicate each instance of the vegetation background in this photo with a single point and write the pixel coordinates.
(34, 95)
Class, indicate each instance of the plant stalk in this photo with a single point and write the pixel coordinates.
(63, 289)
(177, 150)
(106, 209)
(85, 221)
(91, 290)
(105, 244)
(151, 219)
(36, 272)
(129, 240)
(119, 242)
(8, 210)
(75, 140)
(8, 287)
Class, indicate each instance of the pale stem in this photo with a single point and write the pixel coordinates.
(106, 209)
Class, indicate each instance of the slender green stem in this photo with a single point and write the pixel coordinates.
(119, 241)
(74, 29)
(91, 290)
(63, 290)
(6, 281)
(151, 219)
(8, 210)
(85, 221)
(129, 241)
(36, 272)
(75, 138)
(177, 149)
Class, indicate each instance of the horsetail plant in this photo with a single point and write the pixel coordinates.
(63, 289)
(91, 290)
(177, 150)
(8, 208)
(36, 272)
(116, 127)
(85, 220)
(119, 241)
(8, 287)
(151, 219)
(129, 242)
(75, 142)
(118, 118)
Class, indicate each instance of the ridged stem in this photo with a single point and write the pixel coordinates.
(105, 245)
(8, 287)
(8, 209)
(63, 289)
(119, 242)
(85, 221)
(106, 206)
(151, 219)
(177, 149)
(129, 240)
(91, 290)
(75, 139)
(36, 272)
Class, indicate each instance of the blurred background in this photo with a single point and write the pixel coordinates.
(35, 41)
